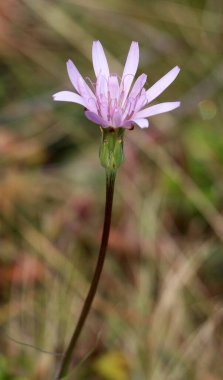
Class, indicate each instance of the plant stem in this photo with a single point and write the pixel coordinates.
(110, 182)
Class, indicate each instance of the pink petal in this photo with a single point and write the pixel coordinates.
(104, 109)
(142, 123)
(99, 60)
(87, 95)
(129, 108)
(162, 84)
(113, 87)
(96, 119)
(68, 96)
(130, 68)
(117, 118)
(134, 105)
(141, 102)
(138, 85)
(75, 76)
(102, 87)
(157, 109)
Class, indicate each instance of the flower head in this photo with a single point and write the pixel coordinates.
(114, 102)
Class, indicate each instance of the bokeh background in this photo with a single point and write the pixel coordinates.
(158, 313)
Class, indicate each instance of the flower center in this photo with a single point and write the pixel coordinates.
(112, 102)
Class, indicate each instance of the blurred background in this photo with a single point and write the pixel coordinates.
(158, 313)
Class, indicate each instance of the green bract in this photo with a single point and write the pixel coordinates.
(111, 148)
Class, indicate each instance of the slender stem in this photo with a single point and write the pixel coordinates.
(110, 182)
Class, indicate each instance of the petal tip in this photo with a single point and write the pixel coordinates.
(99, 59)
(141, 123)
(177, 70)
(57, 96)
(69, 62)
(96, 44)
(135, 46)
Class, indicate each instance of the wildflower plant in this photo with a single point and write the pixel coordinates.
(115, 104)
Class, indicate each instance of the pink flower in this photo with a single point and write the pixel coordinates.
(114, 102)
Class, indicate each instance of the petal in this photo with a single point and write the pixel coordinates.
(141, 102)
(87, 95)
(162, 84)
(132, 60)
(130, 68)
(142, 123)
(138, 85)
(68, 96)
(99, 60)
(104, 109)
(129, 108)
(73, 73)
(76, 78)
(117, 118)
(96, 119)
(102, 87)
(157, 109)
(113, 87)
